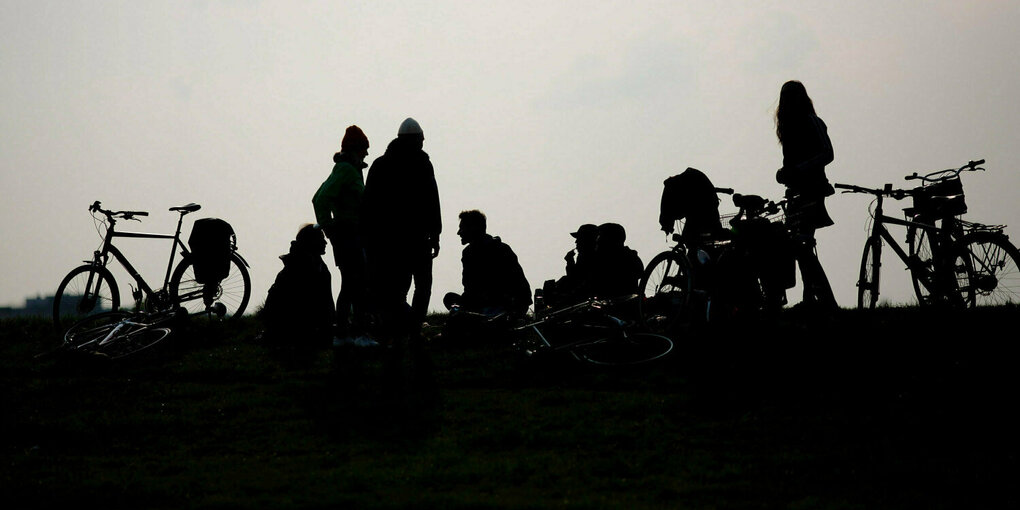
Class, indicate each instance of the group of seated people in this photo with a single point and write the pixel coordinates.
(601, 265)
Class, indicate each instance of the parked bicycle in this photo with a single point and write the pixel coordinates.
(742, 269)
(91, 288)
(591, 331)
(951, 261)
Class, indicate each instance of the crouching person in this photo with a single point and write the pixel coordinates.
(495, 288)
(299, 313)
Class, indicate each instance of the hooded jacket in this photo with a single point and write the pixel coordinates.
(338, 200)
(401, 199)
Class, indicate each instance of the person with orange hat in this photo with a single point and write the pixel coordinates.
(337, 206)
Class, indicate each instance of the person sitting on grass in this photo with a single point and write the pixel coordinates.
(299, 312)
(494, 282)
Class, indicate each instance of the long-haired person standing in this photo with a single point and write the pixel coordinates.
(806, 150)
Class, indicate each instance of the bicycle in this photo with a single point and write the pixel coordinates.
(118, 334)
(951, 261)
(91, 288)
(725, 270)
(593, 334)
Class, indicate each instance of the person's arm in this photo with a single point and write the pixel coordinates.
(323, 200)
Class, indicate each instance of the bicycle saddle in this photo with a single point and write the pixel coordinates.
(192, 207)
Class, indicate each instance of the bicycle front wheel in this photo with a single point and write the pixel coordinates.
(666, 290)
(233, 292)
(994, 278)
(867, 283)
(86, 290)
(624, 349)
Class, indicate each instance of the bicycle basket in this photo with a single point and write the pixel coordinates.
(942, 198)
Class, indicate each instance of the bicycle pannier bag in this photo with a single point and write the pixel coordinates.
(211, 243)
(941, 199)
(690, 195)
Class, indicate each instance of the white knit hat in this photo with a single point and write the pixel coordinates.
(409, 127)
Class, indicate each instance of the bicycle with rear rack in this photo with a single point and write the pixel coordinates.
(952, 262)
(737, 271)
(592, 331)
(91, 288)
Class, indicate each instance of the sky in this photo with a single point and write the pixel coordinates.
(544, 115)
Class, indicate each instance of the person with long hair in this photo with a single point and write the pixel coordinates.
(806, 150)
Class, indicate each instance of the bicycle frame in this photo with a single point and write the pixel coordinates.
(880, 233)
(101, 257)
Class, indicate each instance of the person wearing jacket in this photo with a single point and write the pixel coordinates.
(493, 279)
(806, 150)
(298, 312)
(402, 223)
(338, 205)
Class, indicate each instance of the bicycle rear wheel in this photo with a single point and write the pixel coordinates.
(867, 283)
(666, 289)
(233, 292)
(86, 290)
(994, 277)
(623, 349)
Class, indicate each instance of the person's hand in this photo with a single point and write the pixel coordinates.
(435, 248)
(570, 257)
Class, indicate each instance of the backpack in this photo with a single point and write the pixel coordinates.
(212, 241)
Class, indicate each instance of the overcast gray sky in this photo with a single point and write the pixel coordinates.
(543, 114)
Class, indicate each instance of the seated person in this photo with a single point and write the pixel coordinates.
(494, 282)
(299, 311)
(618, 269)
(570, 288)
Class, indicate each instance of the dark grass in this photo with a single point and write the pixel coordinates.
(897, 408)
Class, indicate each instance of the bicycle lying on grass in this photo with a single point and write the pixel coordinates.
(91, 288)
(951, 261)
(117, 334)
(590, 331)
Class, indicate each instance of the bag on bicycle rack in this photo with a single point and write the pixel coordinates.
(211, 243)
(940, 199)
(690, 195)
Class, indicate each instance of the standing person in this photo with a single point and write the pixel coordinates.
(337, 206)
(806, 151)
(402, 226)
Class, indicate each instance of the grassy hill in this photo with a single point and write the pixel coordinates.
(894, 408)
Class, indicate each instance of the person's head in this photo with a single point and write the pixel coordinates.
(411, 132)
(611, 235)
(794, 106)
(310, 239)
(472, 226)
(355, 143)
(585, 237)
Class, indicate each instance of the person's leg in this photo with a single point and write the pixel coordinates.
(350, 304)
(817, 290)
(422, 274)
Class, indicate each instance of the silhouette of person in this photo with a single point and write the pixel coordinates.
(338, 210)
(570, 288)
(402, 225)
(617, 268)
(493, 279)
(806, 150)
(298, 312)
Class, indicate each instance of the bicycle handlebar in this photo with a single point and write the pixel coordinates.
(127, 215)
(888, 190)
(949, 173)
